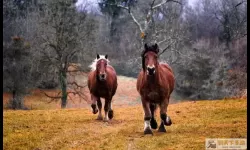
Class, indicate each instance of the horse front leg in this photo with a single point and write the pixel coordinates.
(106, 109)
(93, 105)
(165, 120)
(110, 113)
(153, 122)
(147, 117)
(99, 105)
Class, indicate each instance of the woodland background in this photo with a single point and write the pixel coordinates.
(46, 43)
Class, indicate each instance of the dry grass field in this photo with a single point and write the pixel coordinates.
(46, 126)
(78, 128)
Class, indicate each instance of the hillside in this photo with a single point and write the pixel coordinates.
(78, 128)
(126, 94)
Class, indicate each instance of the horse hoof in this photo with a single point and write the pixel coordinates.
(162, 128)
(153, 123)
(99, 118)
(168, 121)
(105, 120)
(95, 111)
(148, 131)
(110, 114)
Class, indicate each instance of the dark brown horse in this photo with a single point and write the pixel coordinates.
(102, 83)
(155, 83)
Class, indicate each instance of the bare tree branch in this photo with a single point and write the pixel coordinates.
(78, 86)
(138, 24)
(218, 18)
(152, 4)
(240, 3)
(162, 41)
(53, 97)
(53, 46)
(165, 1)
(80, 94)
(130, 13)
(166, 48)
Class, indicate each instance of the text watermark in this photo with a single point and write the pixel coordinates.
(229, 143)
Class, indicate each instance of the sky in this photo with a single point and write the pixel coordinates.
(91, 4)
(192, 2)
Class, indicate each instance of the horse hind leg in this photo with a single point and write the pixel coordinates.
(153, 122)
(99, 105)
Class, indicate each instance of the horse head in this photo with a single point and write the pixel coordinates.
(101, 65)
(150, 59)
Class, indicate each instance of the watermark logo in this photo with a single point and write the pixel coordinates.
(231, 143)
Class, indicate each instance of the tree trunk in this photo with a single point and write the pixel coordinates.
(63, 78)
(17, 100)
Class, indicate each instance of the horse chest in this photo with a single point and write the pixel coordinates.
(153, 94)
(102, 91)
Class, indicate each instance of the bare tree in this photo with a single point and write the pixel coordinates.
(61, 31)
(146, 23)
(17, 72)
(232, 16)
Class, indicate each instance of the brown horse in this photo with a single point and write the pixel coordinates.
(102, 83)
(155, 83)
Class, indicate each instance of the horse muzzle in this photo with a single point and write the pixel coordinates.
(150, 70)
(102, 76)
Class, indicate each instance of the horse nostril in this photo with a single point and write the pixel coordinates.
(151, 70)
(102, 76)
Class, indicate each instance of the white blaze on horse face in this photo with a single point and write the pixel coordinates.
(93, 65)
(151, 66)
(147, 124)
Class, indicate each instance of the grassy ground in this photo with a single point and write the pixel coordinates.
(77, 128)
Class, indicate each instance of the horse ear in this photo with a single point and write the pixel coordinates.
(156, 47)
(106, 56)
(97, 56)
(145, 46)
